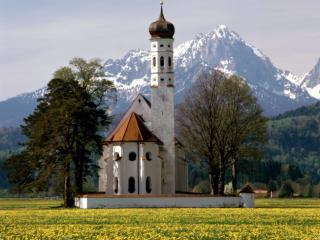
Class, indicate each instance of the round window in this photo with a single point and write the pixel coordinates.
(132, 156)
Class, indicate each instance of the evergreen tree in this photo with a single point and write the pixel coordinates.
(286, 190)
(62, 135)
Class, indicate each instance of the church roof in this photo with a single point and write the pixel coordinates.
(132, 129)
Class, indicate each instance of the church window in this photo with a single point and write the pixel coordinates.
(169, 79)
(131, 185)
(161, 45)
(169, 62)
(116, 185)
(162, 61)
(117, 156)
(148, 185)
(154, 61)
(149, 156)
(169, 46)
(132, 156)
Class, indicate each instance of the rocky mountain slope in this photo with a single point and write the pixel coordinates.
(277, 90)
(311, 81)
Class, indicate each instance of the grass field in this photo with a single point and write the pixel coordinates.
(272, 219)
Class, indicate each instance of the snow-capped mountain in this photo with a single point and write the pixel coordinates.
(221, 49)
(311, 81)
(276, 90)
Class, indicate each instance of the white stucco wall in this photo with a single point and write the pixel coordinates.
(152, 168)
(123, 169)
(159, 202)
(141, 107)
(181, 170)
(162, 109)
(161, 48)
(247, 200)
(104, 166)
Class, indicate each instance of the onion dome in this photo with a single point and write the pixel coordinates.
(161, 28)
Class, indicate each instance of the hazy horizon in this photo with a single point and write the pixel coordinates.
(39, 36)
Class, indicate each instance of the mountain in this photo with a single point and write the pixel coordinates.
(276, 90)
(222, 49)
(15, 109)
(311, 81)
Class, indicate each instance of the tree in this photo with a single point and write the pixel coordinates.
(286, 190)
(91, 76)
(62, 135)
(219, 123)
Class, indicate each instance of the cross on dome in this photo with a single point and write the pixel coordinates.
(161, 28)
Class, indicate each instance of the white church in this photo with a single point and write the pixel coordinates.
(143, 164)
(141, 155)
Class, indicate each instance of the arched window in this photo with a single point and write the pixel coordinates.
(149, 156)
(131, 185)
(154, 61)
(162, 61)
(116, 185)
(132, 156)
(169, 62)
(148, 185)
(117, 156)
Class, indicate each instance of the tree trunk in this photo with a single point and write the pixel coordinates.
(234, 176)
(68, 196)
(214, 180)
(221, 179)
(79, 168)
(68, 193)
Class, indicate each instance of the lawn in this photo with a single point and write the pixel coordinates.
(272, 219)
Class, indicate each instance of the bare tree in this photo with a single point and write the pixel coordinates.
(219, 123)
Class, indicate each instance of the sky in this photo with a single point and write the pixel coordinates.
(39, 36)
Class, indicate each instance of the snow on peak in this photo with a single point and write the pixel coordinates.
(223, 32)
(36, 94)
(311, 81)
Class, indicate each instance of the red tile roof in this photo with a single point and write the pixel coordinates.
(132, 129)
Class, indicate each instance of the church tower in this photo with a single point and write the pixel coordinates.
(162, 96)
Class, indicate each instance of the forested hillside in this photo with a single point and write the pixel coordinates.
(294, 141)
(292, 155)
(10, 140)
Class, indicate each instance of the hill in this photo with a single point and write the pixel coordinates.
(10, 140)
(294, 139)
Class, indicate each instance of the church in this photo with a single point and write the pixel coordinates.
(142, 155)
(143, 164)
